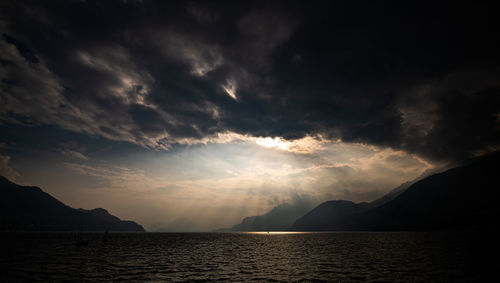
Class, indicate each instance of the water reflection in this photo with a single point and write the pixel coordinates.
(277, 233)
(281, 256)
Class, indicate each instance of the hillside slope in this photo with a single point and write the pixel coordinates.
(25, 208)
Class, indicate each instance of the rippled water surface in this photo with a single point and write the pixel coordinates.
(368, 256)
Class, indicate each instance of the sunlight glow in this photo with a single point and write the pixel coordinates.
(230, 88)
(276, 142)
(278, 233)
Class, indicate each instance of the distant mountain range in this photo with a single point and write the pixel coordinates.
(465, 197)
(279, 218)
(284, 216)
(25, 208)
(328, 214)
(331, 213)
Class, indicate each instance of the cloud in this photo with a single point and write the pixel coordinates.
(453, 117)
(6, 170)
(74, 154)
(243, 178)
(262, 32)
(126, 83)
(201, 57)
(116, 177)
(29, 89)
(32, 94)
(202, 14)
(230, 88)
(172, 73)
(305, 145)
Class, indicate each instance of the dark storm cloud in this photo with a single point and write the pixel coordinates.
(453, 116)
(422, 77)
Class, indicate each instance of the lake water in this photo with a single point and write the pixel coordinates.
(365, 256)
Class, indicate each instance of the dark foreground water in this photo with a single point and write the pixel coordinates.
(368, 256)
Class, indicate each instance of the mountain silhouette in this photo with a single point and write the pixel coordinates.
(287, 215)
(464, 197)
(279, 218)
(24, 208)
(332, 213)
(403, 187)
(328, 214)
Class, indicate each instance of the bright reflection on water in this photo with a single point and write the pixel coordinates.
(262, 257)
(277, 233)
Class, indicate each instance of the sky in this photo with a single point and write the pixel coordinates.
(190, 115)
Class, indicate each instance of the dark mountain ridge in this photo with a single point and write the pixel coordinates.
(279, 218)
(464, 197)
(284, 216)
(331, 213)
(328, 214)
(26, 208)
